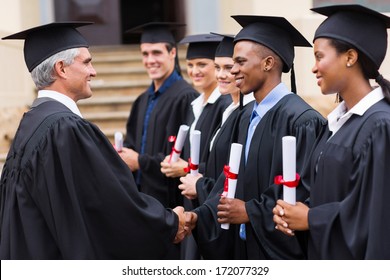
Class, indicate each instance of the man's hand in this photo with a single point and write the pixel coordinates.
(130, 157)
(232, 211)
(182, 230)
(191, 219)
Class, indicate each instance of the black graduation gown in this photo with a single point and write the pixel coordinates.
(219, 154)
(350, 192)
(168, 114)
(68, 195)
(255, 185)
(208, 121)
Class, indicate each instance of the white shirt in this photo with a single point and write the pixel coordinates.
(198, 105)
(339, 116)
(67, 101)
(228, 111)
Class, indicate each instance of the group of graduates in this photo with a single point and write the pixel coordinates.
(66, 193)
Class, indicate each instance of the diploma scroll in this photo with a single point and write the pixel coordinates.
(179, 143)
(118, 141)
(231, 174)
(289, 168)
(195, 148)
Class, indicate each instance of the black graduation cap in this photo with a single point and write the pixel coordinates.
(276, 33)
(156, 32)
(43, 41)
(355, 24)
(226, 46)
(201, 45)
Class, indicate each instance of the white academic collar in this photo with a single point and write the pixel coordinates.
(214, 96)
(340, 115)
(248, 98)
(67, 101)
(211, 100)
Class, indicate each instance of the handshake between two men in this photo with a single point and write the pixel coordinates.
(187, 222)
(229, 210)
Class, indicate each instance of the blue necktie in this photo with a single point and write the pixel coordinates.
(255, 119)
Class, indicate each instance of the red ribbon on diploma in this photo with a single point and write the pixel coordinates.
(291, 184)
(229, 175)
(191, 166)
(171, 139)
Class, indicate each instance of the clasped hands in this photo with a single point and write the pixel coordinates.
(289, 218)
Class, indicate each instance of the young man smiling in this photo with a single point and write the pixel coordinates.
(157, 113)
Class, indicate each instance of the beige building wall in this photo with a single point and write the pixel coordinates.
(17, 89)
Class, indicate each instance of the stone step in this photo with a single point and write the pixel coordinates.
(106, 104)
(124, 56)
(114, 73)
(110, 132)
(108, 120)
(119, 88)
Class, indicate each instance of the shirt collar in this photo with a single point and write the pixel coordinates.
(167, 83)
(212, 98)
(248, 98)
(273, 97)
(340, 115)
(62, 98)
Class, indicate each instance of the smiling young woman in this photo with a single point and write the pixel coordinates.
(347, 175)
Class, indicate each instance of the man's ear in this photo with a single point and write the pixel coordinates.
(174, 52)
(268, 63)
(59, 68)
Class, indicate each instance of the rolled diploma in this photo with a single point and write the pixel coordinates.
(234, 164)
(118, 138)
(179, 143)
(195, 147)
(289, 167)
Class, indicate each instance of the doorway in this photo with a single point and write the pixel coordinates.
(113, 17)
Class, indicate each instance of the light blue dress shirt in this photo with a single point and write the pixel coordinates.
(259, 110)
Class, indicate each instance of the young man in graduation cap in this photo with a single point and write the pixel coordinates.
(264, 48)
(65, 192)
(157, 113)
